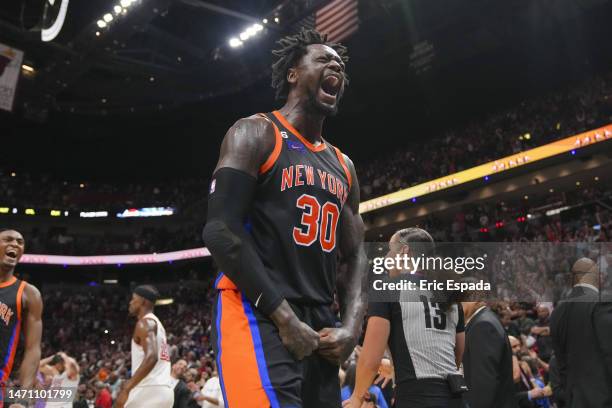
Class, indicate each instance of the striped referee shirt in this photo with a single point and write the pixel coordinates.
(422, 338)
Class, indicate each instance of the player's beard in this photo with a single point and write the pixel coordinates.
(316, 106)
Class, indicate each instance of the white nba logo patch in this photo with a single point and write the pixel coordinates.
(213, 184)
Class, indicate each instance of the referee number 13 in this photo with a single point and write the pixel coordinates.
(318, 221)
(439, 320)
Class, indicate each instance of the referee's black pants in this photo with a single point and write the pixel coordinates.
(425, 393)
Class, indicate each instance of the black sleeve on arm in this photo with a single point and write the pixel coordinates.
(232, 247)
(379, 309)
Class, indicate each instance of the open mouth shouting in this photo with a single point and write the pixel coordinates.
(330, 88)
(11, 255)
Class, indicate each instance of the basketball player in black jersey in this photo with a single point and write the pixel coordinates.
(283, 201)
(20, 314)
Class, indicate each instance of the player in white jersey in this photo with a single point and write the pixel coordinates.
(64, 373)
(150, 385)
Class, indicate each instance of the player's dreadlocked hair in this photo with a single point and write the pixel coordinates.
(292, 48)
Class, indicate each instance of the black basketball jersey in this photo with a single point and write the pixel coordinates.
(10, 324)
(301, 190)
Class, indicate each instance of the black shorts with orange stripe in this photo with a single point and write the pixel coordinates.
(255, 368)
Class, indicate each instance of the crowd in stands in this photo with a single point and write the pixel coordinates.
(25, 190)
(76, 319)
(559, 114)
(544, 119)
(587, 219)
(147, 240)
(92, 325)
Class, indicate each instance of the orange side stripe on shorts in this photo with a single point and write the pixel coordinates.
(226, 283)
(243, 386)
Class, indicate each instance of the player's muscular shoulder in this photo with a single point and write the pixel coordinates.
(247, 144)
(31, 298)
(143, 327)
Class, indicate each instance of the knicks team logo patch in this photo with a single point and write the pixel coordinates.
(213, 184)
(295, 146)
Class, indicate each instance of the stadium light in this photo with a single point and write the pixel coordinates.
(101, 23)
(125, 3)
(93, 214)
(30, 211)
(164, 302)
(108, 17)
(4, 210)
(265, 21)
(235, 42)
(105, 331)
(97, 33)
(56, 213)
(117, 9)
(276, 20)
(246, 34)
(27, 68)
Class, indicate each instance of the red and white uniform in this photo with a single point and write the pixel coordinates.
(155, 390)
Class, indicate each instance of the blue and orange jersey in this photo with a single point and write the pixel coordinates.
(11, 292)
(301, 190)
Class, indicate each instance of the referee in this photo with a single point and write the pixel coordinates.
(426, 339)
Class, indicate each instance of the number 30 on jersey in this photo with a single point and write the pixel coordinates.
(317, 221)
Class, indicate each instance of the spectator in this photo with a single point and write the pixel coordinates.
(375, 395)
(529, 392)
(104, 399)
(581, 329)
(211, 395)
(541, 331)
(487, 361)
(182, 394)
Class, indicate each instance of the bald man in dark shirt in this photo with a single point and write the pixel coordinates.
(581, 329)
